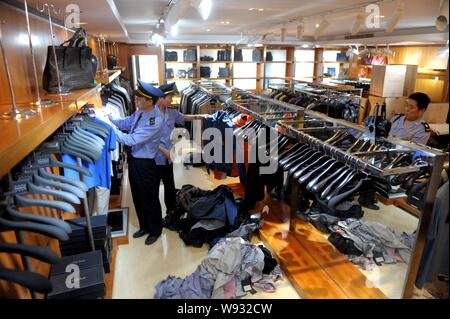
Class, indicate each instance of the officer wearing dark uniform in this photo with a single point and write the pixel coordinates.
(171, 116)
(411, 126)
(144, 129)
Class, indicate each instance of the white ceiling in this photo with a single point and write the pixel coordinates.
(134, 20)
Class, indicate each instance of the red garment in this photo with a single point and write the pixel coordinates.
(242, 120)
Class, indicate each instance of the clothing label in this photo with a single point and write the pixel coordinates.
(152, 121)
(247, 285)
(247, 288)
(379, 259)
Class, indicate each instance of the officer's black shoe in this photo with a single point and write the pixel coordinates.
(151, 240)
(140, 233)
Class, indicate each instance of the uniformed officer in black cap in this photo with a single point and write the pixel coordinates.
(411, 126)
(171, 117)
(144, 131)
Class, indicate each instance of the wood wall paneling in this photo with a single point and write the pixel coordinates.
(30, 133)
(15, 38)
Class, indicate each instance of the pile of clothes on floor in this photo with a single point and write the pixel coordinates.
(205, 216)
(366, 243)
(233, 268)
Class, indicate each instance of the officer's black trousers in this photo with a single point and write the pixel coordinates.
(144, 181)
(169, 186)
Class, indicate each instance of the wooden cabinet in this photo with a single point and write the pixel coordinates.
(393, 80)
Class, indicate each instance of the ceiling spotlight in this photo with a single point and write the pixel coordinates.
(442, 19)
(208, 30)
(283, 34)
(157, 39)
(396, 17)
(358, 24)
(205, 8)
(317, 25)
(300, 30)
(225, 22)
(321, 29)
(174, 30)
(305, 46)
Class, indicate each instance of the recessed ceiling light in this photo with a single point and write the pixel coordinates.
(256, 9)
(305, 46)
(317, 25)
(225, 22)
(208, 30)
(381, 17)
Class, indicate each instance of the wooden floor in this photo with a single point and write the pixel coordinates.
(314, 266)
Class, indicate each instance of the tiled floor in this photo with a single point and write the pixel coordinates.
(139, 268)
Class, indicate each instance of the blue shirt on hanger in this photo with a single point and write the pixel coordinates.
(100, 169)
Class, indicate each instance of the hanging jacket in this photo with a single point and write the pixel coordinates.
(223, 122)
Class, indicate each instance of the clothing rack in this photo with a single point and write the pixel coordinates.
(433, 157)
(353, 91)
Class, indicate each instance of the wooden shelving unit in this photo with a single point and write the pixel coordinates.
(259, 76)
(215, 62)
(21, 137)
(179, 62)
(182, 79)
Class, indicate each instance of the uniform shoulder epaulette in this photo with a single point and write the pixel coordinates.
(427, 127)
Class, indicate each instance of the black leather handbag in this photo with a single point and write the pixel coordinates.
(171, 56)
(75, 62)
(190, 56)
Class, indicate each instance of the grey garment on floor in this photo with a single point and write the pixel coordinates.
(371, 237)
(98, 199)
(209, 224)
(245, 231)
(435, 258)
(251, 268)
(230, 259)
(196, 286)
(390, 238)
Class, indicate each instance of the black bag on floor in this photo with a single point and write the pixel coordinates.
(75, 64)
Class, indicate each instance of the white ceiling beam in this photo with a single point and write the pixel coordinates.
(116, 14)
